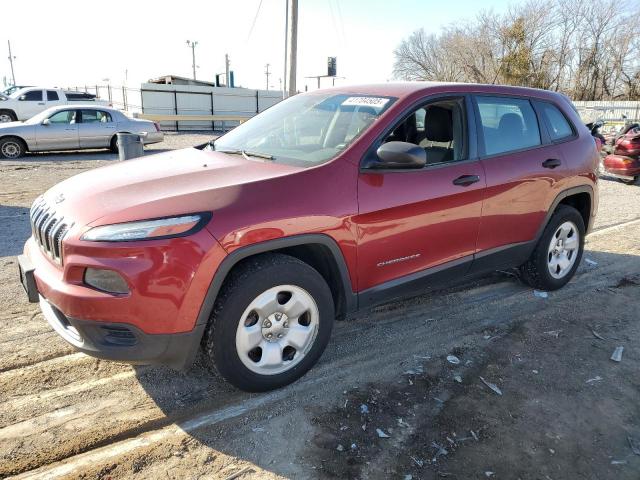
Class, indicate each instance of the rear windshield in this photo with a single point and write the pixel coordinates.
(306, 129)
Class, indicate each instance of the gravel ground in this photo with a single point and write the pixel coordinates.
(565, 410)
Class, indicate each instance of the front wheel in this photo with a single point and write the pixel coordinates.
(270, 324)
(556, 256)
(12, 148)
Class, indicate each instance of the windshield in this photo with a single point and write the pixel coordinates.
(39, 117)
(305, 130)
(10, 90)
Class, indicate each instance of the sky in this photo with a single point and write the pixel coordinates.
(69, 43)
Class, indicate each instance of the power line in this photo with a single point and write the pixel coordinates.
(254, 21)
(344, 36)
(333, 18)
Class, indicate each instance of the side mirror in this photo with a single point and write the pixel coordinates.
(400, 155)
(46, 122)
(22, 98)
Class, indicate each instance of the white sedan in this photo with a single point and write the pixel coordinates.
(74, 127)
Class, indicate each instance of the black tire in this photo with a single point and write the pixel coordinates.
(7, 114)
(113, 145)
(535, 271)
(244, 284)
(12, 144)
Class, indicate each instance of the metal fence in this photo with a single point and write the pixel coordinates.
(186, 100)
(195, 100)
(611, 111)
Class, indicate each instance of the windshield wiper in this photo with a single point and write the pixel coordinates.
(248, 153)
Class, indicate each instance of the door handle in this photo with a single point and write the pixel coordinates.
(551, 163)
(466, 180)
(40, 103)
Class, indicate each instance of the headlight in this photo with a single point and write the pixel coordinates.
(148, 229)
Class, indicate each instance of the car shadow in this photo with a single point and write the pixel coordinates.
(201, 397)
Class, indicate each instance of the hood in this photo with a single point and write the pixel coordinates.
(165, 184)
(6, 125)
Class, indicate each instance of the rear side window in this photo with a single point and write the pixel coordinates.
(508, 124)
(33, 96)
(559, 127)
(52, 96)
(95, 116)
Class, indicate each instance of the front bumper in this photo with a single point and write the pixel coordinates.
(123, 342)
(159, 321)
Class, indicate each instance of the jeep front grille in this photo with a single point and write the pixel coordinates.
(48, 229)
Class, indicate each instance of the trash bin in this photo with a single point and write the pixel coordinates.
(130, 146)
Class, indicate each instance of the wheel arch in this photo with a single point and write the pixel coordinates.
(317, 250)
(9, 110)
(17, 137)
(580, 198)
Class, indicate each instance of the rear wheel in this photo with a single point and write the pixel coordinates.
(113, 145)
(7, 116)
(270, 324)
(12, 148)
(556, 257)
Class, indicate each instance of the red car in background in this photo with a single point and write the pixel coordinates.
(624, 163)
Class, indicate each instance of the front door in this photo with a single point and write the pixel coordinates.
(412, 223)
(60, 133)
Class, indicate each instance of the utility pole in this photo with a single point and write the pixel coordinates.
(192, 46)
(292, 36)
(11, 59)
(267, 73)
(286, 46)
(226, 69)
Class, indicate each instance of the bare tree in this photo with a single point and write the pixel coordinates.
(587, 49)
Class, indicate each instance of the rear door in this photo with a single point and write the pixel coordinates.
(53, 98)
(411, 223)
(522, 170)
(61, 133)
(96, 128)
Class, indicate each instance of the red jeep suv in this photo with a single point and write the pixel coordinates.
(326, 203)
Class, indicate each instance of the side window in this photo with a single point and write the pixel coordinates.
(558, 124)
(63, 117)
(507, 124)
(438, 127)
(95, 116)
(32, 96)
(52, 96)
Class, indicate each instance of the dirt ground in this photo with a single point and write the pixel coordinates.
(383, 402)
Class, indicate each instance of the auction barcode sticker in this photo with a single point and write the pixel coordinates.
(377, 102)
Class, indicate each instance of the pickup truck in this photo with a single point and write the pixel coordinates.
(29, 101)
